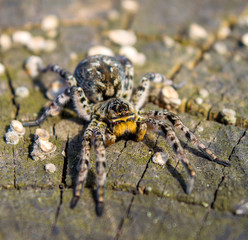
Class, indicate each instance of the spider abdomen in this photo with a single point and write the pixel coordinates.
(100, 77)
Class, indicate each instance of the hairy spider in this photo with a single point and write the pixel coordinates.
(101, 89)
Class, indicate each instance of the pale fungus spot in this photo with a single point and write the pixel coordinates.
(2, 69)
(169, 95)
(17, 127)
(136, 57)
(122, 37)
(98, 49)
(160, 158)
(42, 147)
(21, 37)
(32, 65)
(5, 42)
(244, 39)
(220, 48)
(197, 32)
(50, 167)
(199, 100)
(11, 137)
(242, 207)
(223, 32)
(42, 134)
(168, 41)
(22, 92)
(46, 146)
(49, 22)
(228, 116)
(130, 6)
(36, 44)
(15, 131)
(203, 93)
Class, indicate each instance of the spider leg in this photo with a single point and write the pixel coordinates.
(142, 91)
(141, 131)
(70, 79)
(53, 109)
(84, 163)
(178, 124)
(110, 138)
(100, 166)
(33, 67)
(127, 84)
(81, 103)
(174, 142)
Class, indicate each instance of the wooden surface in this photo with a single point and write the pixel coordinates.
(143, 200)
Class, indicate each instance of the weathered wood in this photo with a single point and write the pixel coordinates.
(143, 200)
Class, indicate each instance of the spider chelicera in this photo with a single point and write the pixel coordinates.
(101, 89)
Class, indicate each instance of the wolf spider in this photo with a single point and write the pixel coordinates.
(101, 89)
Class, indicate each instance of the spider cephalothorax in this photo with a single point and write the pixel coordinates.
(101, 89)
(119, 115)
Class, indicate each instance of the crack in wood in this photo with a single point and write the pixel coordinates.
(234, 147)
(233, 150)
(212, 207)
(117, 158)
(62, 186)
(14, 172)
(147, 164)
(216, 192)
(204, 219)
(126, 215)
(66, 161)
(54, 225)
(12, 90)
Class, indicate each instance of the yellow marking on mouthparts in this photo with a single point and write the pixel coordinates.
(109, 141)
(141, 134)
(123, 118)
(122, 127)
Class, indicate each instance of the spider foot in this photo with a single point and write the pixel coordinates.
(100, 192)
(74, 202)
(213, 158)
(77, 193)
(222, 162)
(99, 208)
(177, 86)
(190, 185)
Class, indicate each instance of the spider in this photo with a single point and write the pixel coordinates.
(101, 89)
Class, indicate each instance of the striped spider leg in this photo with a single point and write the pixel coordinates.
(95, 129)
(111, 120)
(81, 103)
(139, 98)
(156, 118)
